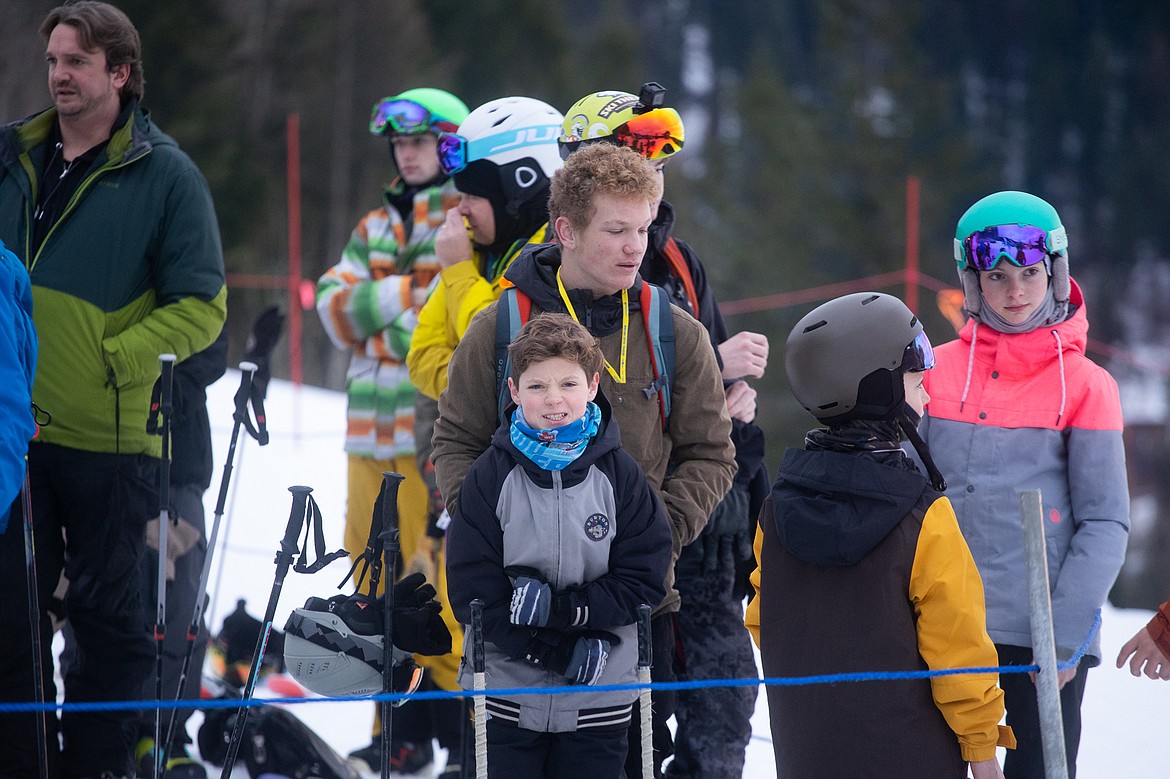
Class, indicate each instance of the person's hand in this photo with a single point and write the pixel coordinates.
(727, 537)
(741, 401)
(1147, 657)
(581, 661)
(744, 354)
(531, 602)
(536, 605)
(1063, 677)
(452, 245)
(986, 769)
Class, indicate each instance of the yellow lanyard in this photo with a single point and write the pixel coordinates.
(619, 376)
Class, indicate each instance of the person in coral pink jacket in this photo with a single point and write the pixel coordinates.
(1016, 405)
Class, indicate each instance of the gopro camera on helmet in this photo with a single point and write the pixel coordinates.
(652, 95)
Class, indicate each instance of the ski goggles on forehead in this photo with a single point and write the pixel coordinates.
(1021, 245)
(405, 117)
(654, 134)
(456, 152)
(919, 354)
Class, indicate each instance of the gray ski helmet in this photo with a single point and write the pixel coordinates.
(846, 357)
(328, 657)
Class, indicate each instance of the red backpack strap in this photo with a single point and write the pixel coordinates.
(512, 312)
(678, 264)
(524, 307)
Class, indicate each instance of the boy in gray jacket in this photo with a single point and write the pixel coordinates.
(560, 535)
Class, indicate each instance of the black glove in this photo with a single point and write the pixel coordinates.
(418, 624)
(727, 538)
(581, 659)
(261, 341)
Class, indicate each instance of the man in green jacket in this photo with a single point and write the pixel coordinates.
(116, 227)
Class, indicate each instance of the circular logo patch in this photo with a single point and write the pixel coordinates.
(597, 526)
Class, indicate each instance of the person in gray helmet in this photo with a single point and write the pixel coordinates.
(861, 567)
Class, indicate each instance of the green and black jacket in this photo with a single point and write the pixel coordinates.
(132, 269)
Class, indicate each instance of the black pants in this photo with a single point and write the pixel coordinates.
(1026, 761)
(585, 754)
(420, 721)
(662, 703)
(89, 515)
(714, 724)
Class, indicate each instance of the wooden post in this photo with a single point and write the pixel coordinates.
(1043, 641)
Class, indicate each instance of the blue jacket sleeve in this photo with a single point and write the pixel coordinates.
(18, 364)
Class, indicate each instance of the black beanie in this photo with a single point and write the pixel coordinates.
(482, 179)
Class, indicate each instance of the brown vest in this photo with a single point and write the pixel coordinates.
(817, 619)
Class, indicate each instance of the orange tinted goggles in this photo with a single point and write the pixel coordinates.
(654, 134)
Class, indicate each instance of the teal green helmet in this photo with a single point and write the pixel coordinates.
(1015, 209)
(417, 111)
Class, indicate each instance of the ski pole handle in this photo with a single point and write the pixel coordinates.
(478, 664)
(389, 534)
(244, 393)
(290, 544)
(645, 646)
(247, 374)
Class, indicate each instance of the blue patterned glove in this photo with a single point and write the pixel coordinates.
(587, 661)
(531, 602)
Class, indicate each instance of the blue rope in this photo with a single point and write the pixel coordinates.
(694, 684)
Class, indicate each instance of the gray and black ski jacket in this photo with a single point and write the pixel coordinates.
(595, 526)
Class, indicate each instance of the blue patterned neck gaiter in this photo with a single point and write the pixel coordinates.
(554, 449)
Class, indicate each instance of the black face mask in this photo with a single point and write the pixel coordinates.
(908, 419)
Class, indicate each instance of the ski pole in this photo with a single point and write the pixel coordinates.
(479, 684)
(262, 340)
(247, 371)
(34, 616)
(645, 660)
(167, 364)
(288, 549)
(390, 544)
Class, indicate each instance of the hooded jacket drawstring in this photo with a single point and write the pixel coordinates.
(970, 364)
(1059, 360)
(1063, 386)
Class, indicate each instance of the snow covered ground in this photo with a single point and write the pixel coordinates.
(1126, 719)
